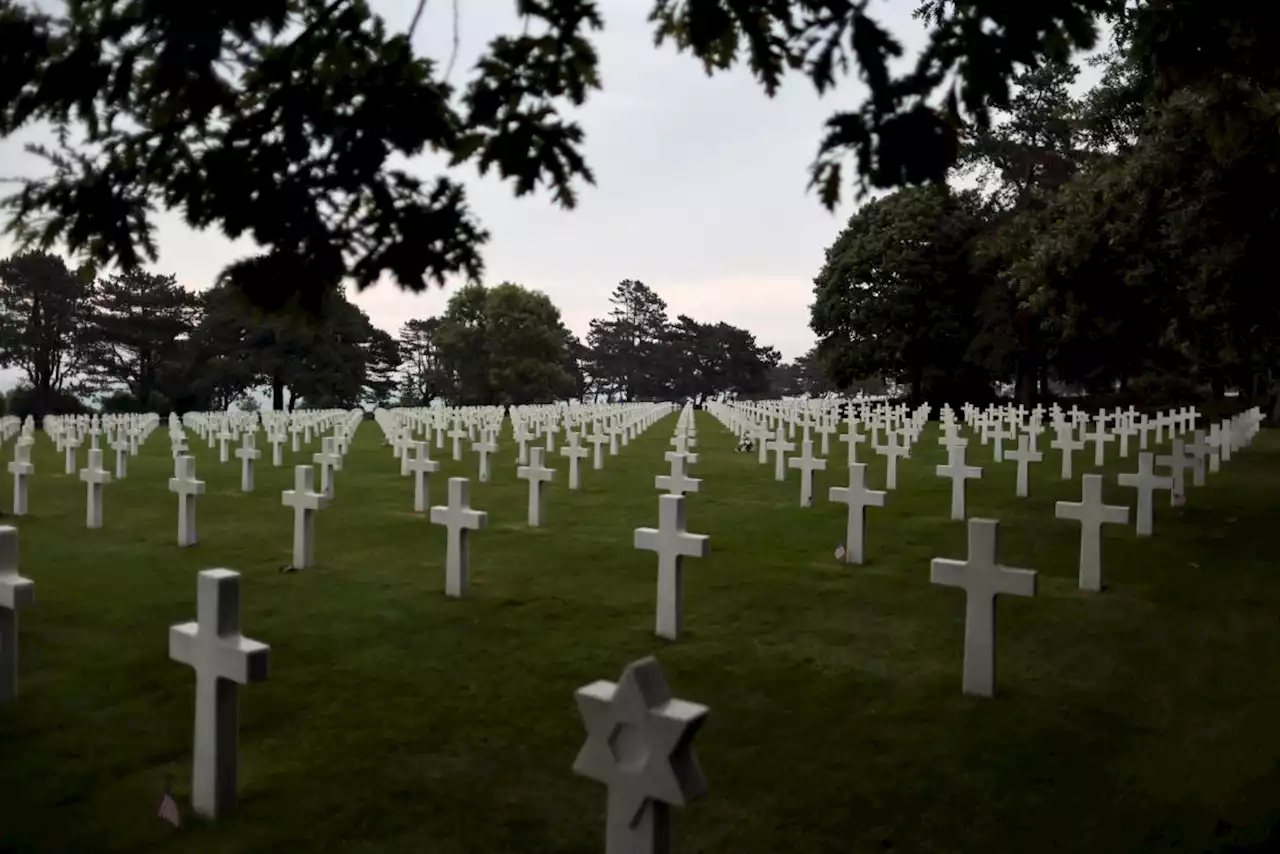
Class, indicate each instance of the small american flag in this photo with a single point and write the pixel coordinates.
(169, 808)
(840, 552)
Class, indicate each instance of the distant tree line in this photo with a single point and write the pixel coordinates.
(138, 341)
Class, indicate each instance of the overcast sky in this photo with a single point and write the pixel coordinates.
(700, 187)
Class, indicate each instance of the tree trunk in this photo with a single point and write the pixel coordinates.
(277, 394)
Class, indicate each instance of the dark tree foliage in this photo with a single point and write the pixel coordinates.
(280, 119)
(135, 332)
(42, 310)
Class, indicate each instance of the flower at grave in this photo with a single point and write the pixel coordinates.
(840, 552)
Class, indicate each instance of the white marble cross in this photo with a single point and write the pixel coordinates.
(421, 466)
(851, 440)
(1178, 462)
(185, 485)
(224, 449)
(982, 579)
(537, 474)
(891, 450)
(598, 440)
(247, 454)
(1146, 481)
(329, 461)
(277, 452)
(640, 745)
(859, 498)
(121, 447)
(69, 448)
(1099, 437)
(484, 448)
(575, 453)
(95, 478)
(677, 483)
(673, 544)
(959, 474)
(807, 463)
(780, 447)
(21, 469)
(1198, 451)
(457, 434)
(305, 501)
(1023, 455)
(459, 520)
(16, 593)
(1067, 444)
(223, 660)
(1092, 514)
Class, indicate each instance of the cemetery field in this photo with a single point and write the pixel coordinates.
(397, 721)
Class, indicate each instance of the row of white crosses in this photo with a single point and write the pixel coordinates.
(1091, 512)
(671, 540)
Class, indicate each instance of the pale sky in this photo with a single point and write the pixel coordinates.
(700, 193)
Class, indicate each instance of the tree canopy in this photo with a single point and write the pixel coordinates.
(283, 120)
(1122, 240)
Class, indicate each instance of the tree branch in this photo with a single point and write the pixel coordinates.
(417, 16)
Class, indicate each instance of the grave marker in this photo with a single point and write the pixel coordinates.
(16, 593)
(459, 520)
(673, 544)
(640, 745)
(95, 478)
(537, 474)
(959, 474)
(807, 464)
(1092, 514)
(421, 466)
(982, 579)
(305, 501)
(858, 498)
(223, 660)
(1146, 481)
(185, 485)
(677, 483)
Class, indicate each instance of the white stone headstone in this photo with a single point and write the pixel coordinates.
(575, 453)
(1092, 514)
(673, 544)
(16, 593)
(421, 466)
(677, 482)
(982, 578)
(780, 447)
(329, 461)
(536, 474)
(223, 660)
(1146, 481)
(248, 455)
(185, 485)
(859, 498)
(640, 745)
(21, 469)
(959, 474)
(305, 501)
(807, 463)
(95, 478)
(459, 520)
(1022, 455)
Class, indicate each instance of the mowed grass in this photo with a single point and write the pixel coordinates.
(396, 720)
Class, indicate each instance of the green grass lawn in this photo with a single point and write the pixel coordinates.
(397, 721)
